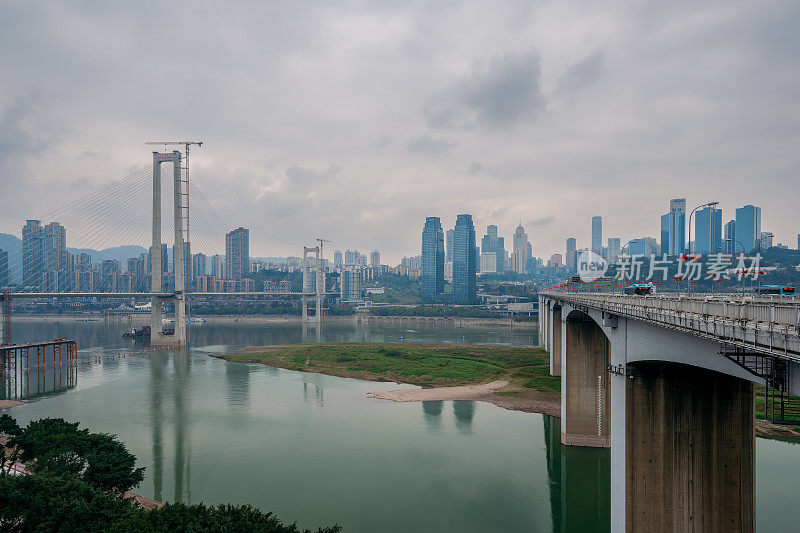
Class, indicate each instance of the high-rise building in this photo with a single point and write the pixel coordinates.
(522, 251)
(766, 240)
(32, 253)
(375, 258)
(644, 246)
(673, 228)
(464, 267)
(351, 283)
(572, 254)
(5, 274)
(491, 243)
(54, 246)
(555, 260)
(137, 268)
(748, 227)
(597, 234)
(613, 249)
(449, 245)
(798, 241)
(217, 266)
(432, 260)
(488, 262)
(350, 257)
(708, 231)
(729, 245)
(237, 254)
(198, 265)
(337, 259)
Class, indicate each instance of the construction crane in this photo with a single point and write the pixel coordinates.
(188, 261)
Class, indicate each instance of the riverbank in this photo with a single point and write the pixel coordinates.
(289, 319)
(510, 377)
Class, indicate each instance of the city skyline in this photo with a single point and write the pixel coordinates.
(566, 143)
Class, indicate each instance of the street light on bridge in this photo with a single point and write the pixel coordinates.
(709, 204)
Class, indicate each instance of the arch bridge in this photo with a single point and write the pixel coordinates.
(667, 382)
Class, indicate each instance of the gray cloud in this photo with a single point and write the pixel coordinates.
(499, 92)
(583, 73)
(426, 144)
(358, 120)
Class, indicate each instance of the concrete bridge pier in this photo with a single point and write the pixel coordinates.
(554, 327)
(682, 436)
(585, 419)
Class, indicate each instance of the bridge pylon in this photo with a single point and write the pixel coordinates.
(157, 335)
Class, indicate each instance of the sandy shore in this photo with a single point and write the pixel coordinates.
(515, 400)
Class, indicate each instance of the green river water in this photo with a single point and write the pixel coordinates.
(314, 449)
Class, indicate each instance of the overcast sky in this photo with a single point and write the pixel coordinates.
(354, 121)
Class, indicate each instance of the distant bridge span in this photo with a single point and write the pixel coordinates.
(667, 381)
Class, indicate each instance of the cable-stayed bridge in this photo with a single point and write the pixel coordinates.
(130, 211)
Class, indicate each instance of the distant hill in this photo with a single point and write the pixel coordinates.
(13, 245)
(120, 253)
(269, 259)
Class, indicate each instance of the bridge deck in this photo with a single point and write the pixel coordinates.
(765, 325)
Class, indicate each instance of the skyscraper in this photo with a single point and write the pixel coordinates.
(237, 254)
(338, 259)
(198, 266)
(432, 259)
(5, 274)
(572, 255)
(32, 253)
(217, 266)
(673, 228)
(613, 249)
(464, 267)
(748, 227)
(522, 251)
(491, 243)
(350, 257)
(597, 234)
(449, 246)
(708, 231)
(375, 258)
(729, 245)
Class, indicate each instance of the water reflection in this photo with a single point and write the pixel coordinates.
(33, 383)
(432, 412)
(313, 393)
(237, 379)
(464, 411)
(580, 481)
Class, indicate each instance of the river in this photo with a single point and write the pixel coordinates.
(314, 449)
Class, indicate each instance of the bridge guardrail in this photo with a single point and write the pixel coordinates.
(762, 325)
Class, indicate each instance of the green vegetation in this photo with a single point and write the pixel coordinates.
(398, 289)
(78, 481)
(442, 311)
(791, 409)
(277, 307)
(420, 364)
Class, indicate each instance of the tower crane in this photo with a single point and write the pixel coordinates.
(188, 262)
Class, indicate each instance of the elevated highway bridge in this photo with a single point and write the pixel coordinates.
(667, 382)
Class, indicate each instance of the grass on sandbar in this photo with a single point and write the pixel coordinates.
(420, 364)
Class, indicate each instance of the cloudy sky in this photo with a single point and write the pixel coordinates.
(355, 120)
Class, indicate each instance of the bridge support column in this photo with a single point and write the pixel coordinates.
(547, 320)
(554, 328)
(540, 319)
(689, 450)
(584, 383)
